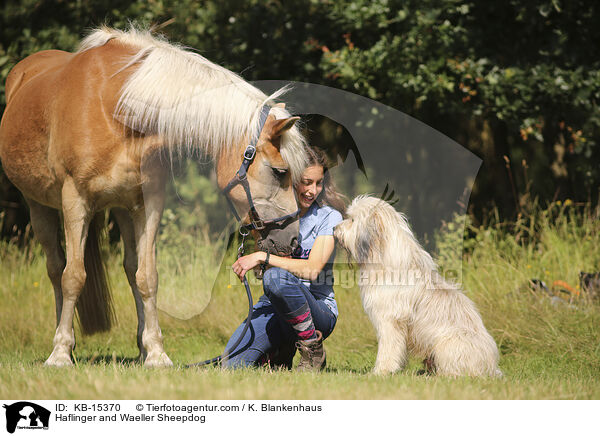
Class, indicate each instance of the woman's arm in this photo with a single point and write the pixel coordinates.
(308, 269)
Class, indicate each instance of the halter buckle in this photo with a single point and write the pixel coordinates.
(258, 224)
(249, 152)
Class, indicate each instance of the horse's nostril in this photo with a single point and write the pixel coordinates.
(294, 243)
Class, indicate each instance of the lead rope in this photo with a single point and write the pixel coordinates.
(227, 353)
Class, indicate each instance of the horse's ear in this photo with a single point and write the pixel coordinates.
(280, 126)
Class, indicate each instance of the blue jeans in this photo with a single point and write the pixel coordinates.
(269, 334)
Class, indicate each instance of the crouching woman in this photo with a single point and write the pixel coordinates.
(298, 309)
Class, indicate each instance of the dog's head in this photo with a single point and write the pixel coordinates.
(364, 232)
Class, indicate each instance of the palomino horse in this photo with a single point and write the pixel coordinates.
(94, 129)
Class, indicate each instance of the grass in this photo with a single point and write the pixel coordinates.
(548, 350)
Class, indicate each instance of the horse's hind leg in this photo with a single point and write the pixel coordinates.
(45, 222)
(77, 218)
(146, 221)
(130, 264)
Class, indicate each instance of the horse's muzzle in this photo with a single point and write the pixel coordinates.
(275, 247)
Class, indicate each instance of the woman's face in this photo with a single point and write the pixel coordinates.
(310, 186)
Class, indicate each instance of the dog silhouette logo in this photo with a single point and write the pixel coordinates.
(26, 415)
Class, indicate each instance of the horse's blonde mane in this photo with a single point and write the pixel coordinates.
(190, 102)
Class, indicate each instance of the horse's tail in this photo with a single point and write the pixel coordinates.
(94, 305)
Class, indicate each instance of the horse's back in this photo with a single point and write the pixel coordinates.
(25, 125)
(32, 66)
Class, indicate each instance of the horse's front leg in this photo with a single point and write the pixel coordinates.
(77, 218)
(130, 264)
(146, 221)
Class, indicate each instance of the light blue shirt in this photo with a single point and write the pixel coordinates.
(318, 221)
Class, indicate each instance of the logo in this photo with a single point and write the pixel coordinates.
(26, 415)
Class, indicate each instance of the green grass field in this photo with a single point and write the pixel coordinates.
(548, 350)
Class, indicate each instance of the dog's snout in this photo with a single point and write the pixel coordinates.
(338, 231)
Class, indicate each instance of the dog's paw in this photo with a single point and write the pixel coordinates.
(382, 371)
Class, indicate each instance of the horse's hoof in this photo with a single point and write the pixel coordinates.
(156, 360)
(59, 360)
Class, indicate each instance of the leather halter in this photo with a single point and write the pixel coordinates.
(241, 178)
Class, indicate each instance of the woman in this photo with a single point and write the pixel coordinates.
(298, 306)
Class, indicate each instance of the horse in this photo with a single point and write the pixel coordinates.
(93, 130)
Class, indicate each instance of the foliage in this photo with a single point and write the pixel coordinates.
(523, 66)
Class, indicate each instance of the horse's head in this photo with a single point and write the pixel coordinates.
(270, 179)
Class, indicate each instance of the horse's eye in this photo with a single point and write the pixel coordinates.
(280, 173)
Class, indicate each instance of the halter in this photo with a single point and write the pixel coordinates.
(241, 178)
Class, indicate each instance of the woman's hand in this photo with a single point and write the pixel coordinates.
(246, 263)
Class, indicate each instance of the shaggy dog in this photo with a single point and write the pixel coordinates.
(410, 305)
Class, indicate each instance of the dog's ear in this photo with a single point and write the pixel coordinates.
(370, 241)
(363, 244)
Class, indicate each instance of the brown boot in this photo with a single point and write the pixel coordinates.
(312, 354)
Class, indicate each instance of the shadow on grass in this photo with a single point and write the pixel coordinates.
(346, 369)
(95, 359)
(108, 359)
